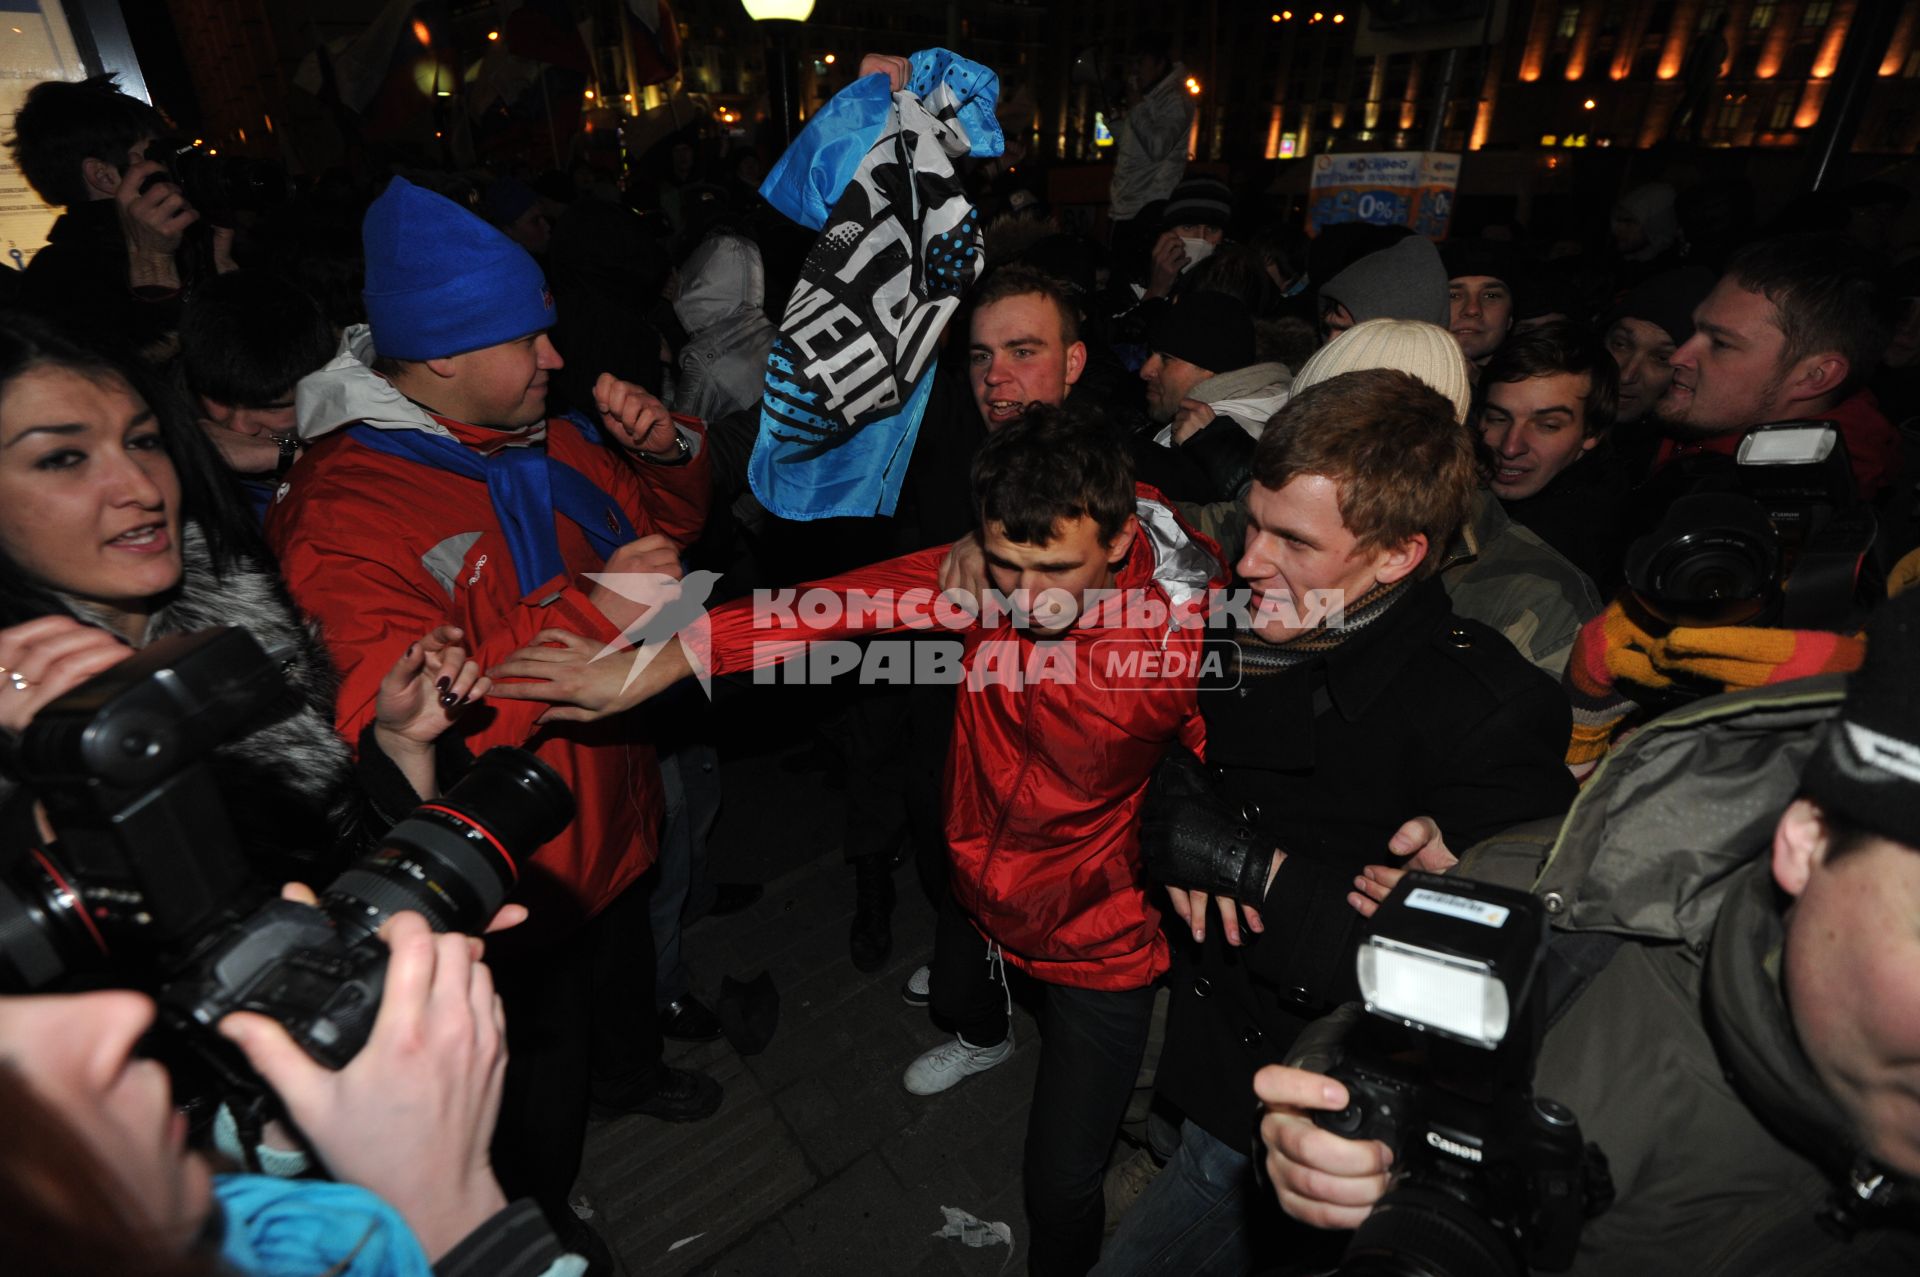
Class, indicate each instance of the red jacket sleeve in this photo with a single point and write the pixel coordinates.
(669, 500)
(372, 604)
(776, 626)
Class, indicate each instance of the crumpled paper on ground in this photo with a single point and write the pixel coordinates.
(975, 1232)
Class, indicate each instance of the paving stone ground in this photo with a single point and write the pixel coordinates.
(819, 1162)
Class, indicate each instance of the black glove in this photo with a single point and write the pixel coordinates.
(1193, 835)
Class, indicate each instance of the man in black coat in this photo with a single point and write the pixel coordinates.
(1338, 743)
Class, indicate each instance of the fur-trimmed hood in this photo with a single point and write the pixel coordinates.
(301, 751)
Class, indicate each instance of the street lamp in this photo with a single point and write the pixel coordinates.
(780, 21)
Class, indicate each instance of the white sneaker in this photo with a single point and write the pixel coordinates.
(918, 990)
(941, 1067)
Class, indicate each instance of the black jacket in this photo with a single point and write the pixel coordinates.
(1581, 513)
(1419, 714)
(79, 280)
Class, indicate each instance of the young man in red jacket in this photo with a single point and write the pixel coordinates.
(1063, 714)
(436, 491)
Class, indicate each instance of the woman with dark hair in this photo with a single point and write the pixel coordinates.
(118, 527)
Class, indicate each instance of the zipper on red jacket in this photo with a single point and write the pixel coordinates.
(1020, 774)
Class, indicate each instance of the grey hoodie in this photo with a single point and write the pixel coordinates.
(721, 305)
(347, 390)
(1405, 281)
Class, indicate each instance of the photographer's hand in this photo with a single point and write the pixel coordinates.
(153, 221)
(1419, 841)
(410, 1118)
(1321, 1178)
(44, 659)
(508, 916)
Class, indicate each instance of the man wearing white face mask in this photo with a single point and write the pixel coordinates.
(1195, 223)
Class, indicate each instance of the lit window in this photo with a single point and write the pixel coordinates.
(1569, 21)
(1761, 16)
(1816, 14)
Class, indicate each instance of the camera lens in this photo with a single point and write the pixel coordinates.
(1714, 561)
(1710, 568)
(45, 931)
(1420, 1231)
(455, 859)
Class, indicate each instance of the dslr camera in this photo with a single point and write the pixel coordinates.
(146, 884)
(1775, 539)
(1492, 1178)
(219, 186)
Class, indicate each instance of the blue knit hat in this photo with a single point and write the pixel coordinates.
(442, 282)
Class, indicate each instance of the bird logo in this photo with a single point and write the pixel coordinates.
(675, 607)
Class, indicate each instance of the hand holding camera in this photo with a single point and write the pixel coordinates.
(154, 216)
(168, 900)
(47, 657)
(423, 1092)
(1321, 1178)
(1436, 1081)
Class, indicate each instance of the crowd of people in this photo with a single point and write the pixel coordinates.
(1465, 559)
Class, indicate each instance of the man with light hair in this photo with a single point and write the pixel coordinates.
(1495, 571)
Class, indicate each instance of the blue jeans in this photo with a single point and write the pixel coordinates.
(1192, 1221)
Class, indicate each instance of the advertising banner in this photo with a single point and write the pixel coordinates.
(1406, 188)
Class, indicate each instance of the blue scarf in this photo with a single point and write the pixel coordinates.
(528, 487)
(299, 1227)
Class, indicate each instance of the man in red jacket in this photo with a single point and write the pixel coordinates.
(1791, 332)
(1064, 711)
(436, 491)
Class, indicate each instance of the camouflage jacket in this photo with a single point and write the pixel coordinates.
(1508, 579)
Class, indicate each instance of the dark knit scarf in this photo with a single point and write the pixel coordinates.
(1258, 657)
